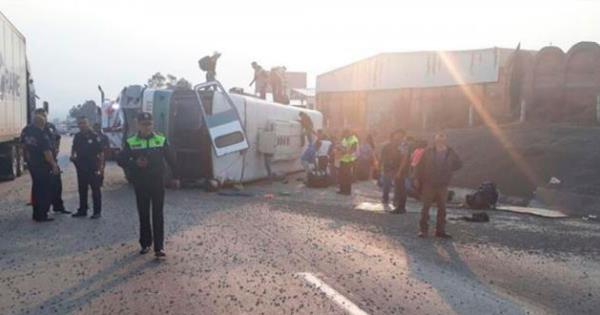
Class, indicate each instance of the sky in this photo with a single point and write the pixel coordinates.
(75, 45)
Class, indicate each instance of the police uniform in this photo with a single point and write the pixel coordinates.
(87, 147)
(56, 180)
(36, 142)
(105, 144)
(148, 182)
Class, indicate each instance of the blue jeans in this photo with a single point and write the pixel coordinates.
(387, 181)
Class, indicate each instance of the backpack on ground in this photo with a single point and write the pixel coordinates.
(317, 179)
(477, 217)
(485, 197)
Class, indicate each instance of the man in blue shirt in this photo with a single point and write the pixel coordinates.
(308, 158)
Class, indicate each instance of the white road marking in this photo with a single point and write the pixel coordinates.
(331, 293)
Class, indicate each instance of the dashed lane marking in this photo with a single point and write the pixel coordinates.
(332, 294)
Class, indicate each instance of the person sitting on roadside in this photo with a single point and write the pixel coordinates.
(323, 153)
(432, 177)
(308, 158)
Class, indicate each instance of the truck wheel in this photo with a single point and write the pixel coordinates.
(8, 162)
(19, 162)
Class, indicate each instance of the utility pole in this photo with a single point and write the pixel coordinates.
(101, 104)
(101, 95)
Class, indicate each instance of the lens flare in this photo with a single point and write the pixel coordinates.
(487, 119)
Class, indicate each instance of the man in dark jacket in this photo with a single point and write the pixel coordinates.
(209, 64)
(57, 203)
(105, 143)
(42, 166)
(88, 157)
(394, 167)
(432, 177)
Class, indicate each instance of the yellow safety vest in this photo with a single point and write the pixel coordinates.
(347, 143)
(137, 143)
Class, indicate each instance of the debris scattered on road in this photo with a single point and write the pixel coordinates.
(554, 181)
(373, 206)
(235, 193)
(590, 217)
(477, 217)
(541, 212)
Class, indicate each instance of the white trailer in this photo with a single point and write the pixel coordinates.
(14, 99)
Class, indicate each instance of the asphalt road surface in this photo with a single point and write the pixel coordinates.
(287, 249)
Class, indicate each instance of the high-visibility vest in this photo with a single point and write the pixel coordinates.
(137, 143)
(347, 143)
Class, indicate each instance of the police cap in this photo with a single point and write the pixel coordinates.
(144, 116)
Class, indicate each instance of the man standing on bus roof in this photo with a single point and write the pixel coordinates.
(144, 155)
(261, 78)
(209, 64)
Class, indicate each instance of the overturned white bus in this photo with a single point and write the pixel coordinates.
(216, 135)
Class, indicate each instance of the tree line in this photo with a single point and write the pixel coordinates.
(156, 81)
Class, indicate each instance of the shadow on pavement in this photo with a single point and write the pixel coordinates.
(73, 298)
(438, 263)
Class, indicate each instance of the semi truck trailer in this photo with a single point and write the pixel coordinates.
(17, 98)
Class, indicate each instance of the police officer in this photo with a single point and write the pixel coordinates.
(144, 155)
(57, 203)
(41, 164)
(88, 157)
(104, 142)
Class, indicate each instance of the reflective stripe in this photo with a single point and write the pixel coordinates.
(157, 141)
(137, 143)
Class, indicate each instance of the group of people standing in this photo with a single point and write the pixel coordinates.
(41, 145)
(335, 157)
(144, 156)
(408, 166)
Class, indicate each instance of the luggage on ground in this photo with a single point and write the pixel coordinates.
(317, 179)
(485, 197)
